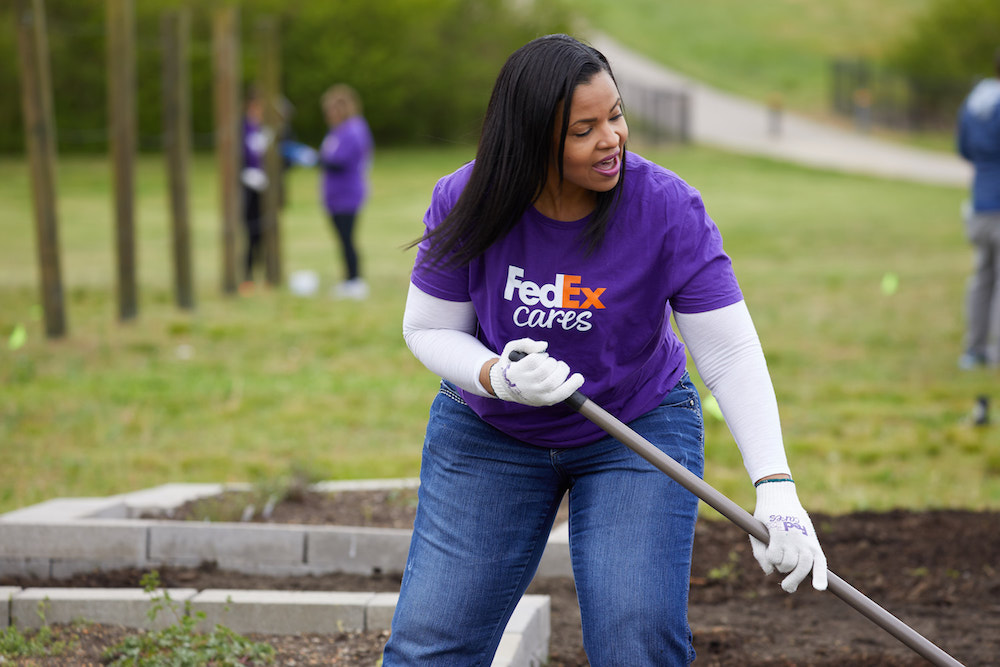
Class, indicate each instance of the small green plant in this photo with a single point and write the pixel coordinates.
(181, 644)
(260, 500)
(41, 642)
(728, 571)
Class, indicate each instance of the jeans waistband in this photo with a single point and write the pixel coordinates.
(451, 391)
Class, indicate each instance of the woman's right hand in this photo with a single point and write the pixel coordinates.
(536, 379)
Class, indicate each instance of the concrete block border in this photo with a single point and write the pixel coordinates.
(525, 642)
(64, 536)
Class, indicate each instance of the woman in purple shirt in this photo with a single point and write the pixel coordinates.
(345, 159)
(559, 243)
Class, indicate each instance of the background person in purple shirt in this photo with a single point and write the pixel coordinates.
(253, 177)
(345, 160)
(559, 243)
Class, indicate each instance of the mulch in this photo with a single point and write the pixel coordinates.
(937, 571)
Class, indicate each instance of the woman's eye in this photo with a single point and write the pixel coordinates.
(581, 134)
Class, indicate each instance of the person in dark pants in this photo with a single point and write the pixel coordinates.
(254, 181)
(345, 159)
(979, 143)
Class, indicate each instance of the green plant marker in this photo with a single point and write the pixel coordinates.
(17, 337)
(890, 283)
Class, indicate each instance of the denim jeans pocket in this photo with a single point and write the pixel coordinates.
(684, 394)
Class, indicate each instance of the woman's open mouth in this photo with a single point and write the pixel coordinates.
(609, 166)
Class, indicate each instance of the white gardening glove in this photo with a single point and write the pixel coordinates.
(794, 547)
(259, 141)
(537, 379)
(254, 178)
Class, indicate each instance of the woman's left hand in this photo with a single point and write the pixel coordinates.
(793, 547)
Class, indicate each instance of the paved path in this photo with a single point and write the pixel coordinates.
(733, 123)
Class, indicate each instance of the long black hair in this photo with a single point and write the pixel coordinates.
(515, 147)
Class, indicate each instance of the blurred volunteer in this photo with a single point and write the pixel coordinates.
(979, 143)
(345, 157)
(559, 243)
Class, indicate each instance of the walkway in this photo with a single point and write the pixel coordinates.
(736, 124)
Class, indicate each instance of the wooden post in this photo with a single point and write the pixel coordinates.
(175, 28)
(228, 135)
(121, 103)
(39, 127)
(270, 92)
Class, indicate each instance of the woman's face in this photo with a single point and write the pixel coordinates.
(335, 111)
(595, 137)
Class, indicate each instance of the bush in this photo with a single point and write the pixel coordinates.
(948, 49)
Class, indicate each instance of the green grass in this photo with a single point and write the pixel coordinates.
(247, 388)
(756, 49)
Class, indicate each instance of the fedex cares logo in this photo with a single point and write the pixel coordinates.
(565, 303)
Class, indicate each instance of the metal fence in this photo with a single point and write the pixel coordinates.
(659, 115)
(874, 95)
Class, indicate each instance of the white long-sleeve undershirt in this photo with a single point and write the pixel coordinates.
(723, 344)
(441, 335)
(727, 353)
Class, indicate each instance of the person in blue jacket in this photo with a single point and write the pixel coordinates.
(979, 143)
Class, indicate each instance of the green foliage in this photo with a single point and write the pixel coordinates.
(949, 47)
(424, 68)
(181, 644)
(40, 643)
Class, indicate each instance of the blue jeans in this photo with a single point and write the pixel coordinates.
(486, 506)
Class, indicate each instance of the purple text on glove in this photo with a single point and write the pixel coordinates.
(788, 522)
(511, 384)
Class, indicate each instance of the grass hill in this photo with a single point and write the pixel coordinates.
(756, 49)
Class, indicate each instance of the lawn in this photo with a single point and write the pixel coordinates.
(253, 388)
(757, 49)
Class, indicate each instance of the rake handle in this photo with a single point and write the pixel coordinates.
(746, 521)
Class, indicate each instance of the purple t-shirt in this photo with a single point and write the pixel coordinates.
(607, 315)
(254, 147)
(345, 159)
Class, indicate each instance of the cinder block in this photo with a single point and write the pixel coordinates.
(112, 606)
(358, 550)
(525, 640)
(6, 596)
(190, 542)
(87, 539)
(555, 560)
(66, 509)
(26, 567)
(164, 499)
(282, 612)
(333, 486)
(380, 611)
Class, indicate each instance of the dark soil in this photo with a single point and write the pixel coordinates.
(936, 571)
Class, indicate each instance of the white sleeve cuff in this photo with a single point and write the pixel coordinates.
(441, 335)
(727, 353)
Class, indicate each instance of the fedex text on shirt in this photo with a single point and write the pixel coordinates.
(563, 303)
